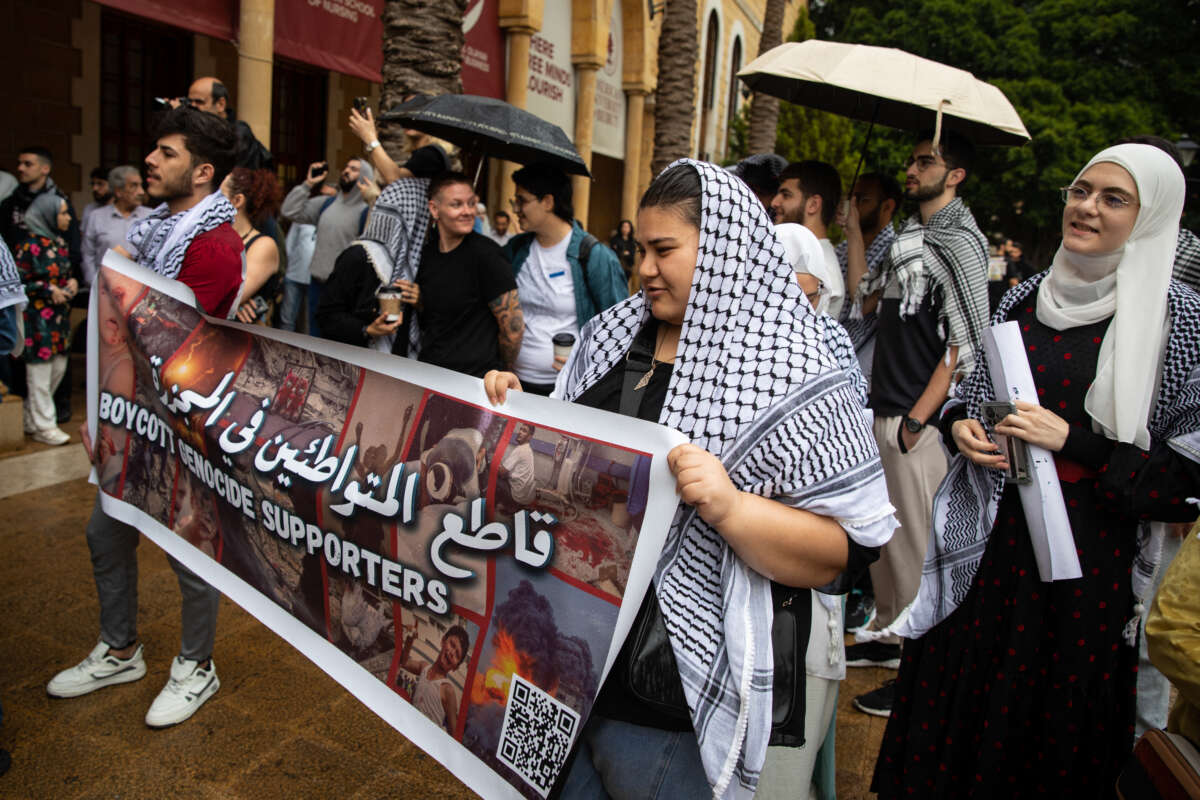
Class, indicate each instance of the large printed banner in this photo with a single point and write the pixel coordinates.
(467, 572)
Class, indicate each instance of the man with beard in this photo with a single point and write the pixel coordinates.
(435, 695)
(339, 220)
(33, 178)
(210, 96)
(193, 153)
(932, 304)
(809, 192)
(106, 228)
(101, 194)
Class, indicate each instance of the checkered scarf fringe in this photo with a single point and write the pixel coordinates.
(965, 506)
(754, 384)
(862, 327)
(949, 255)
(394, 237)
(162, 239)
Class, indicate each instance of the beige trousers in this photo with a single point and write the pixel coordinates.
(912, 479)
(41, 379)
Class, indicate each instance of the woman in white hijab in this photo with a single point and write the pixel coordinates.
(1011, 685)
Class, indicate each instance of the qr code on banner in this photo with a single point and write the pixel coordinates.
(537, 734)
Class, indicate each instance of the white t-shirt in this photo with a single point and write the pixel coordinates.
(837, 284)
(547, 293)
(518, 460)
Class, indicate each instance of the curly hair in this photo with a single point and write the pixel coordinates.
(260, 188)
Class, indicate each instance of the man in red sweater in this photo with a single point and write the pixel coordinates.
(190, 238)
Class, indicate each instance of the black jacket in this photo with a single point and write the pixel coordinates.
(348, 303)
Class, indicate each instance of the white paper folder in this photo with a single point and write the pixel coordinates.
(1045, 511)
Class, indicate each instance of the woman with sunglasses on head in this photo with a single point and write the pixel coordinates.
(781, 482)
(1012, 686)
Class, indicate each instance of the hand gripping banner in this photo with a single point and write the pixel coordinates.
(468, 572)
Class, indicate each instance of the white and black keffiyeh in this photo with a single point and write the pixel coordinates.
(1187, 259)
(12, 291)
(949, 255)
(862, 327)
(394, 237)
(754, 384)
(965, 506)
(161, 240)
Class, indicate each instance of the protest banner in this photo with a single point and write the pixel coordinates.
(468, 572)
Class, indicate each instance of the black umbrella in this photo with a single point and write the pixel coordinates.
(493, 127)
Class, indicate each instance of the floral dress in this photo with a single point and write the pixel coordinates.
(44, 263)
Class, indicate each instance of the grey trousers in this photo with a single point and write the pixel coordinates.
(114, 564)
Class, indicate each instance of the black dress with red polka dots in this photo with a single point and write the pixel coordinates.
(1028, 688)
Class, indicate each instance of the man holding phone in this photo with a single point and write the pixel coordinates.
(426, 157)
(339, 221)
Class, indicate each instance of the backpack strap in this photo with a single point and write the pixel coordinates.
(585, 252)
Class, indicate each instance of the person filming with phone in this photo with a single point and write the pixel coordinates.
(339, 220)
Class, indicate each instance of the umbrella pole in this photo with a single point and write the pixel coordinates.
(478, 171)
(863, 153)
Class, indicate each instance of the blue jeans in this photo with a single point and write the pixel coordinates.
(289, 309)
(315, 289)
(630, 762)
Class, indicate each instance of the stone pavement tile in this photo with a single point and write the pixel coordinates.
(301, 767)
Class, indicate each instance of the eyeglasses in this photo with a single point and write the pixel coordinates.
(923, 162)
(1074, 194)
(517, 203)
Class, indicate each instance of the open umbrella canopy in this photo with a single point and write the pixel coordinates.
(885, 85)
(492, 127)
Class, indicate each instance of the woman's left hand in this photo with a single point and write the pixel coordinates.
(702, 482)
(1036, 425)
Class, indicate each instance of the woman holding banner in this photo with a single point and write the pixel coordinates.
(781, 483)
(1012, 685)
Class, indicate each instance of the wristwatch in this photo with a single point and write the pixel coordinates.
(371, 145)
(913, 425)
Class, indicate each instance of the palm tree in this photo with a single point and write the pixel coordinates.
(422, 52)
(674, 106)
(764, 110)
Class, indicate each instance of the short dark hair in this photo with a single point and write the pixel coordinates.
(677, 188)
(761, 172)
(888, 186)
(500, 214)
(209, 139)
(543, 179)
(39, 151)
(98, 174)
(957, 150)
(219, 92)
(444, 179)
(1165, 145)
(464, 638)
(819, 178)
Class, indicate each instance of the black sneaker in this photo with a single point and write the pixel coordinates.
(860, 610)
(877, 703)
(873, 654)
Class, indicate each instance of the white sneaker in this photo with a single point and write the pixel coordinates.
(53, 436)
(189, 686)
(96, 671)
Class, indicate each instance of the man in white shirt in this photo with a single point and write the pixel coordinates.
(808, 194)
(107, 225)
(516, 472)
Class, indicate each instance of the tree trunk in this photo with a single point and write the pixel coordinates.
(764, 110)
(422, 53)
(675, 100)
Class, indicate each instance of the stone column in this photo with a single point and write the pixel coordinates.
(634, 157)
(256, 47)
(516, 92)
(585, 117)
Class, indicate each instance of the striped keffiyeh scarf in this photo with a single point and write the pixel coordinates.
(754, 384)
(394, 237)
(948, 254)
(862, 327)
(162, 239)
(1187, 259)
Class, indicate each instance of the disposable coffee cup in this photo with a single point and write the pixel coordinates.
(563, 342)
(390, 304)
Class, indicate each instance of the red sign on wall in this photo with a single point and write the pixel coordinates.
(342, 35)
(214, 18)
(483, 52)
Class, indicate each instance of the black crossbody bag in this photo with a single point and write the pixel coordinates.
(653, 676)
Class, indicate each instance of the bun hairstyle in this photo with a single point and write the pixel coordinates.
(678, 188)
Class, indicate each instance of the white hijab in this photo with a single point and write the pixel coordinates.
(1130, 285)
(804, 253)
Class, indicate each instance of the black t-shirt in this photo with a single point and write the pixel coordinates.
(458, 330)
(907, 352)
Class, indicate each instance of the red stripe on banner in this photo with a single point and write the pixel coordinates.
(586, 587)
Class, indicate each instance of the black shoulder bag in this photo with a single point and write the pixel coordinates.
(653, 676)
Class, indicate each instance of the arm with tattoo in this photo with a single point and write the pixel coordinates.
(511, 322)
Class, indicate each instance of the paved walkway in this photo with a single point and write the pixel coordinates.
(278, 728)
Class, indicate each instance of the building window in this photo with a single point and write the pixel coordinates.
(298, 97)
(139, 60)
(709, 85)
(735, 66)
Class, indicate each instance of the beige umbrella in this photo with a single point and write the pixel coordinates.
(888, 86)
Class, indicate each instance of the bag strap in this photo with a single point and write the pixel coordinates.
(585, 252)
(638, 361)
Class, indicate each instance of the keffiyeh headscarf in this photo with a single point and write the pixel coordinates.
(754, 384)
(161, 240)
(947, 254)
(394, 237)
